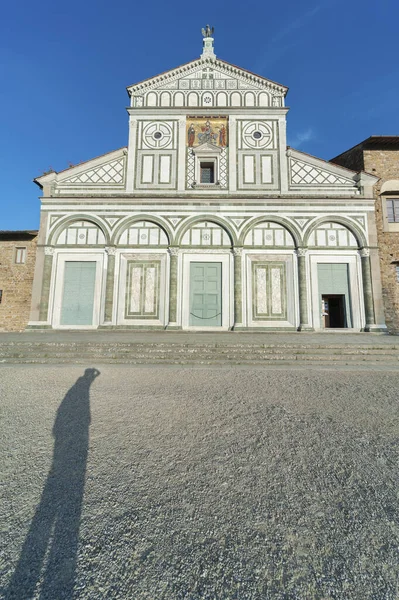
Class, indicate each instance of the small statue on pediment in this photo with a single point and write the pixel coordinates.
(207, 31)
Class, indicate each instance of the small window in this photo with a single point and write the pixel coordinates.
(393, 210)
(20, 256)
(397, 273)
(1, 296)
(207, 172)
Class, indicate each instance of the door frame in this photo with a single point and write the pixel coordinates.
(227, 289)
(355, 288)
(124, 256)
(58, 287)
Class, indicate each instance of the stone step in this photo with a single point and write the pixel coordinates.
(205, 353)
(100, 347)
(285, 361)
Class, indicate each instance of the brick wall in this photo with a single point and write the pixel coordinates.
(16, 281)
(385, 164)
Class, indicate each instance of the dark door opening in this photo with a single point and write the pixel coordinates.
(333, 311)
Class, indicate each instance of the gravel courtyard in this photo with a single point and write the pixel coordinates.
(199, 483)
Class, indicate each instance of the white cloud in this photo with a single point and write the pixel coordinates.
(302, 137)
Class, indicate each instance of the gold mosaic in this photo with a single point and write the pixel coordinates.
(204, 130)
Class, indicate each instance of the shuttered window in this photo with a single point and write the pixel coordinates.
(393, 210)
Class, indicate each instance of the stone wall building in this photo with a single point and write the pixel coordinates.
(379, 155)
(206, 220)
(17, 260)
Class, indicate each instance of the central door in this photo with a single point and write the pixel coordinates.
(205, 294)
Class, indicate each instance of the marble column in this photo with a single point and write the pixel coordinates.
(237, 253)
(367, 288)
(174, 254)
(47, 269)
(109, 289)
(303, 292)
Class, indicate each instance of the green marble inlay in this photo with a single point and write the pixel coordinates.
(269, 295)
(142, 289)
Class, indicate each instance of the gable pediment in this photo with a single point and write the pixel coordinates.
(205, 75)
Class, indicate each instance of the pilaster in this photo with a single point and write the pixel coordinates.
(368, 292)
(47, 269)
(109, 289)
(303, 291)
(174, 257)
(237, 253)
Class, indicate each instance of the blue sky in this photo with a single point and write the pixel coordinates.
(64, 67)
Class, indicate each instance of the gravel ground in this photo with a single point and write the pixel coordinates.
(199, 483)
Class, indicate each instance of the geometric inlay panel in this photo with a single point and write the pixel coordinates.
(144, 233)
(332, 235)
(82, 233)
(269, 234)
(305, 173)
(257, 135)
(206, 234)
(108, 173)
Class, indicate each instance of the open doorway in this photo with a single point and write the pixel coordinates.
(333, 311)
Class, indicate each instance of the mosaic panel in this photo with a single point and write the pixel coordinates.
(203, 130)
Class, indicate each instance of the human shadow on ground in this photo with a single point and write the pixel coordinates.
(47, 564)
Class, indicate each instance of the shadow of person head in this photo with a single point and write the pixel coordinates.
(91, 373)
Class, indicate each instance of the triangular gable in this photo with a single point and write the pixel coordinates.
(305, 170)
(225, 76)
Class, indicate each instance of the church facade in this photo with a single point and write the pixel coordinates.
(206, 220)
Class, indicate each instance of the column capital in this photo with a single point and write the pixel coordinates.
(174, 250)
(49, 250)
(110, 250)
(364, 252)
(237, 250)
(301, 251)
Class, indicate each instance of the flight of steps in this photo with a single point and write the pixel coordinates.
(200, 353)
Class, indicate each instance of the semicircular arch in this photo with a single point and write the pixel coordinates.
(185, 226)
(60, 225)
(290, 227)
(344, 221)
(129, 221)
